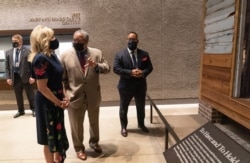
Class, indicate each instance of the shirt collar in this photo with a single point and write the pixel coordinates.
(130, 51)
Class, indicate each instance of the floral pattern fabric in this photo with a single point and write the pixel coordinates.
(50, 118)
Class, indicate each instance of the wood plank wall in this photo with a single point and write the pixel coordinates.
(220, 33)
(219, 27)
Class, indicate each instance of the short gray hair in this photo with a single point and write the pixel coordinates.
(84, 34)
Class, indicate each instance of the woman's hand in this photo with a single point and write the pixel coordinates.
(57, 157)
(64, 104)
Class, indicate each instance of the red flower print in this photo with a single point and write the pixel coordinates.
(59, 126)
(40, 71)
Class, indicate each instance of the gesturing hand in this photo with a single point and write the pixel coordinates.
(90, 63)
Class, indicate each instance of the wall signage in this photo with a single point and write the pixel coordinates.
(73, 19)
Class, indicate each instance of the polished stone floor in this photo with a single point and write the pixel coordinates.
(18, 136)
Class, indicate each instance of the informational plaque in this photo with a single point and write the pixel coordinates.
(208, 144)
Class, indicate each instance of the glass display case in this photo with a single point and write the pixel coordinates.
(2, 64)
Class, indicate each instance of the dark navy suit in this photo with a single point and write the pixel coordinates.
(129, 86)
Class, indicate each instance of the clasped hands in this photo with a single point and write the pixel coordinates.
(64, 103)
(137, 73)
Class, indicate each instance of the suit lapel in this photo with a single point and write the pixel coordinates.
(11, 57)
(139, 58)
(22, 51)
(87, 68)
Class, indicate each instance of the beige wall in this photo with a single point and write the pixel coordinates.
(170, 30)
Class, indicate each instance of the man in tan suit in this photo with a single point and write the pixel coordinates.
(82, 66)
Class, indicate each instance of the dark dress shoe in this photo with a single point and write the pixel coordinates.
(33, 114)
(81, 155)
(96, 148)
(143, 128)
(18, 114)
(124, 132)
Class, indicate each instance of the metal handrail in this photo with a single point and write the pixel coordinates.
(168, 128)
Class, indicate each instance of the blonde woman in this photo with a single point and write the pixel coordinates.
(49, 98)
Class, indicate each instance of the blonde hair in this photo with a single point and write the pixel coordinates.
(40, 40)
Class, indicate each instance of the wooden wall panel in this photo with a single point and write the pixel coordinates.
(215, 84)
(220, 14)
(217, 60)
(219, 24)
(219, 73)
(226, 38)
(237, 109)
(219, 48)
(242, 119)
(232, 105)
(4, 85)
(222, 25)
(215, 5)
(218, 35)
(64, 31)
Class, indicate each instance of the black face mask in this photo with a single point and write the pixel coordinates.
(78, 46)
(54, 44)
(14, 44)
(132, 45)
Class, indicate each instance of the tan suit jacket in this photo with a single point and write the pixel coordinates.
(77, 84)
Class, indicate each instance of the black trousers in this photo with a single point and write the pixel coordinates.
(125, 99)
(19, 86)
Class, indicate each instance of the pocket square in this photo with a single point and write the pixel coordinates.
(145, 58)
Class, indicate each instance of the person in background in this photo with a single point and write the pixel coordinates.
(133, 65)
(82, 67)
(18, 74)
(49, 101)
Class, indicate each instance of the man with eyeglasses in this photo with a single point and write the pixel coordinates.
(82, 67)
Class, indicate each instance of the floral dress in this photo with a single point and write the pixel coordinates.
(49, 117)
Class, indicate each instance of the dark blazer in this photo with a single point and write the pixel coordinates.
(123, 66)
(24, 65)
